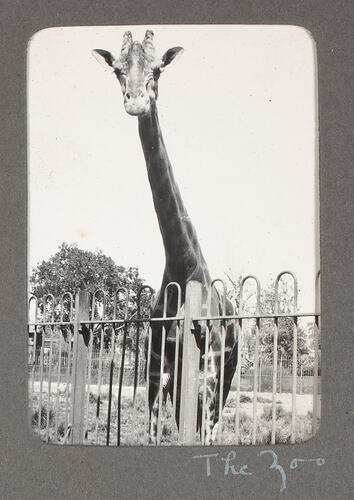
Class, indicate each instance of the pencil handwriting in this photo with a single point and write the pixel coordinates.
(232, 469)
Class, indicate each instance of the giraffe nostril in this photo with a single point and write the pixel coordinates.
(127, 95)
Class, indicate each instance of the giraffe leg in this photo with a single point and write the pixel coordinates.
(209, 418)
(153, 410)
(210, 408)
(154, 403)
(207, 388)
(214, 432)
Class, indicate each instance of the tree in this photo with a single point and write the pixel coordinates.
(267, 303)
(71, 266)
(285, 325)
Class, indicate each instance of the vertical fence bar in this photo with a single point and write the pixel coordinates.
(78, 382)
(222, 327)
(256, 355)
(177, 335)
(208, 327)
(111, 371)
(68, 359)
(120, 386)
(34, 353)
(101, 326)
(238, 379)
(275, 363)
(57, 396)
(162, 358)
(121, 374)
(99, 382)
(295, 347)
(175, 371)
(136, 362)
(190, 365)
(33, 371)
(205, 376)
(148, 361)
(239, 359)
(68, 383)
(41, 368)
(255, 381)
(275, 356)
(61, 343)
(88, 391)
(148, 341)
(162, 366)
(222, 376)
(294, 382)
(40, 383)
(50, 361)
(141, 359)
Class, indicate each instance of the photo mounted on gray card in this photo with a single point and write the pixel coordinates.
(173, 235)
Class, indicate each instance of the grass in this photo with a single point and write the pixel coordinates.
(245, 398)
(44, 417)
(133, 428)
(303, 427)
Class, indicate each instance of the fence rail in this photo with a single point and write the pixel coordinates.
(88, 356)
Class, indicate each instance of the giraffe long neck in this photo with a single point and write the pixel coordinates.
(184, 259)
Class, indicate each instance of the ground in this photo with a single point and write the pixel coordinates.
(133, 418)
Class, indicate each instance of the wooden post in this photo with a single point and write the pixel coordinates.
(78, 377)
(190, 366)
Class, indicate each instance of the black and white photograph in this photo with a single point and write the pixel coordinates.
(173, 235)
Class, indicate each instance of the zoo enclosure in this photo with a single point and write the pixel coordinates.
(86, 357)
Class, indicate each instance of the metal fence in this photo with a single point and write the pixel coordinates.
(88, 357)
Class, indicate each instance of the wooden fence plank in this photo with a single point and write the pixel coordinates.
(190, 366)
(78, 381)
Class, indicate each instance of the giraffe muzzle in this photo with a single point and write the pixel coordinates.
(136, 104)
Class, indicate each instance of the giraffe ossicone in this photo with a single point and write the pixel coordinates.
(138, 70)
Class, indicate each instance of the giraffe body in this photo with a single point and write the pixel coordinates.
(138, 70)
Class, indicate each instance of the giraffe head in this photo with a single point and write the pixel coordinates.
(138, 70)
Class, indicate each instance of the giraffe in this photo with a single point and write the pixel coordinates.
(138, 70)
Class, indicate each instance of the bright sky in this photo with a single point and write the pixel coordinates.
(239, 116)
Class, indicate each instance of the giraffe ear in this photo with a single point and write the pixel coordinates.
(103, 57)
(170, 55)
